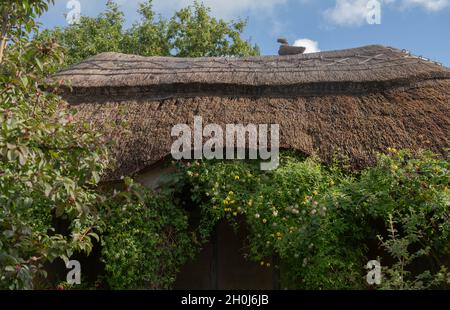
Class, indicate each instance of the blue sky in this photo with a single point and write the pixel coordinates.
(420, 26)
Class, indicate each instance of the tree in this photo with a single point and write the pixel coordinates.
(91, 36)
(49, 164)
(16, 15)
(194, 33)
(148, 36)
(191, 32)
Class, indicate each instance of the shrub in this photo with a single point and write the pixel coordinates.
(49, 164)
(146, 239)
(324, 224)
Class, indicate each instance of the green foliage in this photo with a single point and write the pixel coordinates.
(284, 217)
(149, 36)
(91, 36)
(411, 191)
(146, 239)
(18, 15)
(398, 276)
(49, 164)
(323, 225)
(191, 32)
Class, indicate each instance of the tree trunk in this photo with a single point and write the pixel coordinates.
(3, 35)
(3, 47)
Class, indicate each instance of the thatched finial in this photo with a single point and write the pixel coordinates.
(286, 49)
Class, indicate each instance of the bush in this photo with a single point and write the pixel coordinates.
(325, 225)
(146, 239)
(49, 164)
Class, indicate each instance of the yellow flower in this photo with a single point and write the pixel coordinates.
(392, 150)
(235, 213)
(264, 221)
(250, 203)
(262, 263)
(230, 193)
(236, 177)
(315, 193)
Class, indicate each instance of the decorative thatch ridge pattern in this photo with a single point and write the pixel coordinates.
(353, 102)
(361, 65)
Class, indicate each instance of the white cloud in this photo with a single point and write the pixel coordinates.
(311, 46)
(430, 5)
(347, 12)
(354, 12)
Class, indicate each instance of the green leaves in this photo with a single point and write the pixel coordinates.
(40, 65)
(46, 159)
(322, 222)
(191, 32)
(194, 33)
(24, 81)
(19, 15)
(146, 239)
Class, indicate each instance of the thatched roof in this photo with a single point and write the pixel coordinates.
(352, 102)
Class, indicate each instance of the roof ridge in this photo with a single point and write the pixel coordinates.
(370, 63)
(370, 46)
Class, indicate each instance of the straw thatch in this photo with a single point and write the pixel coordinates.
(353, 102)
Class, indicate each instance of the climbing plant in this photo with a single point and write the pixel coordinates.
(325, 225)
(146, 239)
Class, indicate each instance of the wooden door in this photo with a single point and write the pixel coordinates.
(221, 265)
